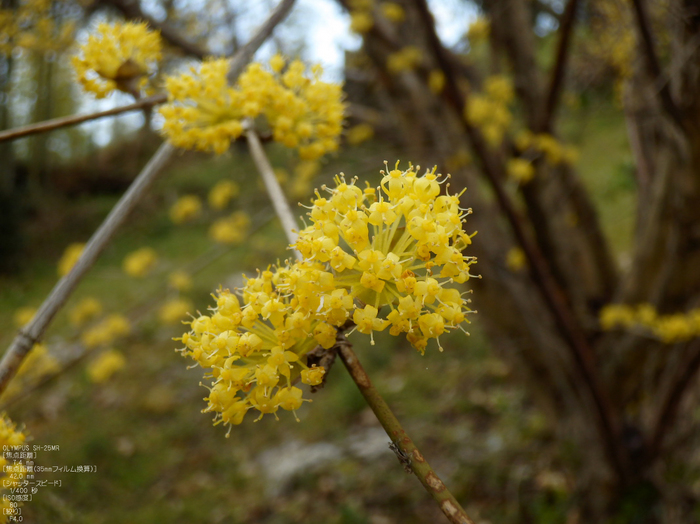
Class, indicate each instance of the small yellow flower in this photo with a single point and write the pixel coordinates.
(479, 30)
(108, 330)
(359, 133)
(230, 230)
(180, 280)
(140, 262)
(393, 12)
(84, 311)
(436, 81)
(118, 56)
(520, 170)
(105, 366)
(185, 209)
(361, 21)
(404, 59)
(69, 258)
(515, 259)
(222, 193)
(174, 311)
(24, 316)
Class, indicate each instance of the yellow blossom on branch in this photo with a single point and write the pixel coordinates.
(24, 316)
(359, 133)
(222, 193)
(230, 230)
(140, 262)
(69, 258)
(119, 56)
(401, 248)
(105, 366)
(174, 311)
(180, 280)
(186, 208)
(405, 59)
(205, 113)
(108, 330)
(84, 311)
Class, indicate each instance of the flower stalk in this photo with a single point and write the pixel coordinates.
(410, 456)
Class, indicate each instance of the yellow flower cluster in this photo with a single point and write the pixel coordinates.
(180, 280)
(545, 144)
(185, 208)
(405, 59)
(222, 193)
(30, 24)
(254, 352)
(520, 170)
(674, 328)
(106, 331)
(398, 246)
(515, 259)
(105, 365)
(359, 133)
(175, 310)
(489, 111)
(361, 19)
(118, 56)
(11, 474)
(479, 30)
(205, 113)
(87, 309)
(230, 230)
(436, 81)
(140, 262)
(23, 316)
(393, 12)
(69, 258)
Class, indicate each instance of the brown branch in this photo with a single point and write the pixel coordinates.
(66, 121)
(131, 9)
(653, 66)
(403, 446)
(559, 71)
(552, 293)
(685, 376)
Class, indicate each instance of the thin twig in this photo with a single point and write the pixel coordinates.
(410, 456)
(559, 71)
(653, 66)
(284, 212)
(672, 402)
(33, 332)
(65, 121)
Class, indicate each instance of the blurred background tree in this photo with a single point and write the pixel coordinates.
(574, 125)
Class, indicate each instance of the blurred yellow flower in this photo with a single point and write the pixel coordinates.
(359, 133)
(84, 311)
(230, 230)
(105, 366)
(140, 262)
(222, 193)
(174, 311)
(108, 330)
(24, 316)
(69, 258)
(180, 280)
(186, 208)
